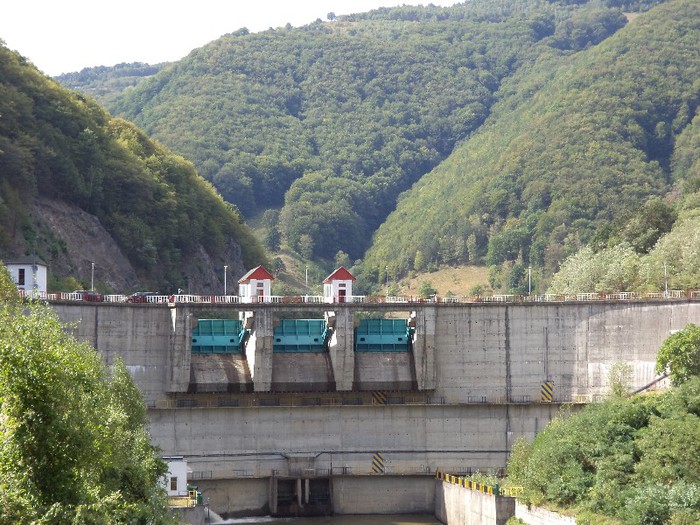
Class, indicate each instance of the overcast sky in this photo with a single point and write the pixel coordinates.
(61, 36)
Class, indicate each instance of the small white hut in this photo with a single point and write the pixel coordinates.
(337, 287)
(176, 477)
(29, 275)
(255, 285)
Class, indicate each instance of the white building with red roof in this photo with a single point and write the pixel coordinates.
(255, 286)
(337, 287)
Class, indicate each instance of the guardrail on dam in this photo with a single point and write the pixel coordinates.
(365, 431)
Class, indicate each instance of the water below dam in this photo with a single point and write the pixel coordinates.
(370, 519)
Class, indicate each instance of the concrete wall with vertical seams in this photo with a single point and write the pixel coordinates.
(479, 369)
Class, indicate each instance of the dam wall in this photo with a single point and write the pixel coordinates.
(466, 353)
(344, 426)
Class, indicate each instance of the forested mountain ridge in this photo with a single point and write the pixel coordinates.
(332, 121)
(62, 155)
(574, 143)
(105, 83)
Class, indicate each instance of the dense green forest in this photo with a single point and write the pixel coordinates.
(574, 143)
(73, 441)
(57, 144)
(628, 460)
(104, 83)
(329, 123)
(657, 247)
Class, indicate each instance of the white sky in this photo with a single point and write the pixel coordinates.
(61, 36)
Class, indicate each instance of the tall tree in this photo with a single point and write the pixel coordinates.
(73, 441)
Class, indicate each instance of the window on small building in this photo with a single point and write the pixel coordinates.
(173, 482)
(20, 277)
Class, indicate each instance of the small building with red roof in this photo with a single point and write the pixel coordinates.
(255, 285)
(337, 287)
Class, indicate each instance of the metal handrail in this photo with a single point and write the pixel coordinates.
(381, 299)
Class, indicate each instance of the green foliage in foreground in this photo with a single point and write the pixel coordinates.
(635, 460)
(680, 355)
(73, 443)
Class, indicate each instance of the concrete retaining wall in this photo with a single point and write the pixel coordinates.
(239, 497)
(191, 516)
(456, 505)
(153, 341)
(219, 442)
(383, 495)
(507, 352)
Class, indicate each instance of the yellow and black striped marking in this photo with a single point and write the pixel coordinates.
(378, 398)
(547, 391)
(377, 463)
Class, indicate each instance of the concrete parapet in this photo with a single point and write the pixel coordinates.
(457, 505)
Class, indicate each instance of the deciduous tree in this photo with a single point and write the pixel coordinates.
(680, 354)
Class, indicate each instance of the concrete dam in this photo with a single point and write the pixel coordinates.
(351, 408)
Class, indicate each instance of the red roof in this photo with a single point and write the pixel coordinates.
(259, 273)
(341, 274)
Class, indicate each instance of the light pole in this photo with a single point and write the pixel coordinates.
(529, 280)
(225, 268)
(92, 278)
(386, 269)
(665, 281)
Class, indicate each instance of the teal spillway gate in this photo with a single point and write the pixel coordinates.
(300, 335)
(218, 336)
(383, 335)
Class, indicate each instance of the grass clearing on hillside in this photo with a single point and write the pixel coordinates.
(460, 280)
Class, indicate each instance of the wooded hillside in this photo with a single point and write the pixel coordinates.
(332, 121)
(573, 143)
(58, 145)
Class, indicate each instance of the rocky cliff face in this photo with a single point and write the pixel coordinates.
(69, 240)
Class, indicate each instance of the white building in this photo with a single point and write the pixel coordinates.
(255, 285)
(337, 287)
(176, 477)
(29, 275)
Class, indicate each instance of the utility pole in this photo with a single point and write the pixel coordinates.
(225, 268)
(386, 269)
(529, 280)
(92, 278)
(665, 281)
